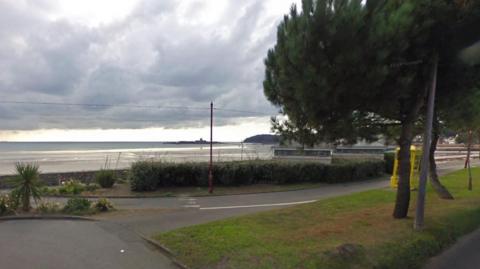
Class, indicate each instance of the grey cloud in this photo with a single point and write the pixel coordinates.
(149, 58)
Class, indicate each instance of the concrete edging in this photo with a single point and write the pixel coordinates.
(164, 250)
(107, 196)
(385, 177)
(45, 217)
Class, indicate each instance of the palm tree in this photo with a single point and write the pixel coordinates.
(26, 184)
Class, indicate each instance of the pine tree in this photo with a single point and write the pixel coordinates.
(347, 69)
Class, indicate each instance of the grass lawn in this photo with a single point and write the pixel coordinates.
(309, 236)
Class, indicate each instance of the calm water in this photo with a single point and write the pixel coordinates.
(85, 156)
(100, 146)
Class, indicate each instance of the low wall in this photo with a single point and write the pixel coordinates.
(295, 154)
(52, 179)
(325, 155)
(359, 156)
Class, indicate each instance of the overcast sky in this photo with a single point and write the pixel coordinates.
(165, 53)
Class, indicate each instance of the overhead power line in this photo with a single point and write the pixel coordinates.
(103, 105)
(243, 111)
(86, 118)
(93, 105)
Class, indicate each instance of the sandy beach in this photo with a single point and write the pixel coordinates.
(116, 157)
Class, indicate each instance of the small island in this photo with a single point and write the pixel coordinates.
(201, 141)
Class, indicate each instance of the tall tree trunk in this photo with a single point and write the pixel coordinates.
(442, 192)
(402, 201)
(468, 160)
(469, 146)
(478, 143)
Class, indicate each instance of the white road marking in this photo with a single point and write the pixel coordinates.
(261, 205)
(186, 199)
(196, 206)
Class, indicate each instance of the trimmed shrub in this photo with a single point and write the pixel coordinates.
(48, 191)
(145, 176)
(389, 158)
(48, 208)
(340, 173)
(78, 206)
(103, 205)
(105, 178)
(8, 205)
(91, 187)
(368, 169)
(71, 187)
(149, 176)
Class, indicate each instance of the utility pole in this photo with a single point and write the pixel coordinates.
(468, 160)
(241, 154)
(427, 137)
(469, 148)
(478, 133)
(210, 167)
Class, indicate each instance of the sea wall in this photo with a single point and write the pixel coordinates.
(52, 179)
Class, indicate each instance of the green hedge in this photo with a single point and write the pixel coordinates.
(149, 176)
(389, 158)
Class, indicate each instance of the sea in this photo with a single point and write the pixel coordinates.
(53, 157)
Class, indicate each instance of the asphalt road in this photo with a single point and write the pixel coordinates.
(462, 255)
(186, 211)
(64, 244)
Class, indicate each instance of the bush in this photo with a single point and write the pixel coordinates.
(78, 206)
(48, 208)
(144, 176)
(48, 191)
(71, 187)
(27, 184)
(8, 205)
(105, 178)
(149, 176)
(91, 187)
(389, 158)
(103, 205)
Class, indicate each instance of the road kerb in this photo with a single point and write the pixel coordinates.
(45, 217)
(164, 250)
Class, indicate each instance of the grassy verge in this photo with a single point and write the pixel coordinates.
(354, 231)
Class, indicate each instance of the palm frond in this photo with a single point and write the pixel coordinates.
(26, 184)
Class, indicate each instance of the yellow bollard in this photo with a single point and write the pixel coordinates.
(415, 157)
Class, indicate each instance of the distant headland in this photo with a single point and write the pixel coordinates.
(263, 139)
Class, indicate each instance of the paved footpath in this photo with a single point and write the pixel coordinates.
(462, 255)
(59, 244)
